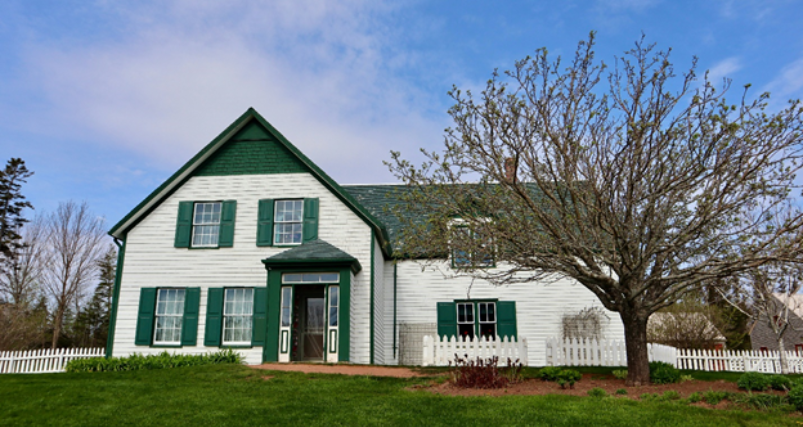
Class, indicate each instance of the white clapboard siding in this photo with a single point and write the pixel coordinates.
(737, 361)
(441, 351)
(576, 352)
(152, 261)
(43, 361)
(540, 306)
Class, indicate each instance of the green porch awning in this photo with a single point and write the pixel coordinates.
(318, 253)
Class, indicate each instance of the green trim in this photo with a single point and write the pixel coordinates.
(185, 172)
(271, 349)
(395, 265)
(373, 273)
(352, 264)
(118, 278)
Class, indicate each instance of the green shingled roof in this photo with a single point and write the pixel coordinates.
(380, 201)
(317, 252)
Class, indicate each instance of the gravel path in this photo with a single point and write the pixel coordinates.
(312, 368)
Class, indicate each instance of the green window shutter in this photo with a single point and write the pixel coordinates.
(506, 319)
(310, 220)
(265, 223)
(447, 319)
(147, 307)
(260, 316)
(228, 212)
(189, 327)
(184, 225)
(214, 317)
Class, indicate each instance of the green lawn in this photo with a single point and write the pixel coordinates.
(236, 395)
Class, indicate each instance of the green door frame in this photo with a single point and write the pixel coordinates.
(271, 350)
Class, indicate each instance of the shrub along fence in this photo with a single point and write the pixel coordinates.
(575, 352)
(43, 361)
(439, 351)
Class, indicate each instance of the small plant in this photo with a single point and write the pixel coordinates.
(695, 397)
(686, 378)
(597, 392)
(568, 377)
(780, 382)
(479, 373)
(648, 396)
(753, 381)
(620, 374)
(162, 360)
(663, 373)
(670, 395)
(714, 397)
(621, 392)
(549, 373)
(796, 396)
(765, 401)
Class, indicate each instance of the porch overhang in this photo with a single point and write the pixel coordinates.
(317, 253)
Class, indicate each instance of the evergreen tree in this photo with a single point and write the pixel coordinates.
(92, 324)
(12, 202)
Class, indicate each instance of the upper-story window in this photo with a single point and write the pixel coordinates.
(288, 223)
(205, 224)
(470, 249)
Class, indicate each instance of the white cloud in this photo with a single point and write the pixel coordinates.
(788, 83)
(323, 73)
(724, 70)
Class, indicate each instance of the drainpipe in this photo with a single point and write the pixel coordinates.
(395, 346)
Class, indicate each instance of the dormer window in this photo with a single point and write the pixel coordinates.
(470, 249)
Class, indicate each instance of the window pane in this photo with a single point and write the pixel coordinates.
(466, 330)
(286, 316)
(332, 316)
(333, 295)
(488, 330)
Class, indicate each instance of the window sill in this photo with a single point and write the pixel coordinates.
(197, 248)
(241, 346)
(166, 346)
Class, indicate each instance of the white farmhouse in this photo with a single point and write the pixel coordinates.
(251, 246)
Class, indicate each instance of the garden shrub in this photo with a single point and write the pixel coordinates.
(780, 382)
(695, 397)
(568, 376)
(753, 381)
(714, 397)
(162, 360)
(765, 401)
(620, 374)
(479, 373)
(686, 378)
(597, 392)
(670, 395)
(796, 396)
(549, 373)
(621, 392)
(663, 373)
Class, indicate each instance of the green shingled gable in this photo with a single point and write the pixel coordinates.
(253, 150)
(381, 201)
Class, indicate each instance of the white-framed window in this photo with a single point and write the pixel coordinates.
(465, 319)
(169, 316)
(288, 222)
(487, 319)
(238, 310)
(334, 302)
(308, 278)
(205, 224)
(469, 249)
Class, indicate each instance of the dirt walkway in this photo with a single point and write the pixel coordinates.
(311, 368)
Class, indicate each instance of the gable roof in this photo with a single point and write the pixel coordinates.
(318, 252)
(194, 165)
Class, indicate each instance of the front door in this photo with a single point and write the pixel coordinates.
(309, 332)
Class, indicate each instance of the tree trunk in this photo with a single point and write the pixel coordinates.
(57, 324)
(638, 364)
(782, 356)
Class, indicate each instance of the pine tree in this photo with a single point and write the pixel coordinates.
(92, 324)
(12, 202)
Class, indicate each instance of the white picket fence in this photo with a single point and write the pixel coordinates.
(576, 352)
(43, 361)
(737, 360)
(439, 351)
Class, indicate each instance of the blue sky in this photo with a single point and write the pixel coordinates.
(106, 99)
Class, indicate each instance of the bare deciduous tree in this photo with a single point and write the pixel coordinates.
(635, 183)
(21, 277)
(75, 241)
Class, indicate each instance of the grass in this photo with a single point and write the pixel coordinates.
(229, 395)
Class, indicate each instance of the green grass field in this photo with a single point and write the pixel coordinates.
(231, 395)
